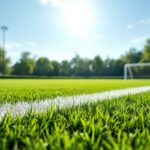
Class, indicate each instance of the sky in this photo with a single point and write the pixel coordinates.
(59, 29)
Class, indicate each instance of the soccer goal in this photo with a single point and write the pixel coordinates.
(137, 70)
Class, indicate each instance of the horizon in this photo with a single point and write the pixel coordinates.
(54, 29)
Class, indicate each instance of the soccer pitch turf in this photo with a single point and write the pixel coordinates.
(30, 90)
(122, 123)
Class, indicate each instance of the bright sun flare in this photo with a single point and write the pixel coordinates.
(78, 17)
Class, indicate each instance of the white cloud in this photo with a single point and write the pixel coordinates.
(12, 45)
(44, 2)
(139, 40)
(54, 3)
(31, 43)
(57, 3)
(140, 22)
(144, 21)
(130, 26)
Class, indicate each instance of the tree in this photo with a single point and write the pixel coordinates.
(43, 66)
(74, 65)
(146, 52)
(65, 69)
(4, 63)
(25, 66)
(132, 56)
(97, 66)
(56, 68)
(113, 67)
(85, 67)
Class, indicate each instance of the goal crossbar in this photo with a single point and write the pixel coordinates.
(128, 66)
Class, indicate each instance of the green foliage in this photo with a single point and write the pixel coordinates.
(146, 53)
(65, 68)
(43, 66)
(132, 56)
(97, 66)
(4, 63)
(113, 67)
(82, 66)
(25, 66)
(56, 68)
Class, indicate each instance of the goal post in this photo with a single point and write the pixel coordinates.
(128, 69)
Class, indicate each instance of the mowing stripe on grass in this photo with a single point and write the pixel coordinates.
(21, 108)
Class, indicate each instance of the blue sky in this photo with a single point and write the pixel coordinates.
(54, 28)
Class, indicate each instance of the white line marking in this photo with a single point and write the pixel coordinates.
(21, 108)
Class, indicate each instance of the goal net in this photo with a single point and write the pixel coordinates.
(137, 71)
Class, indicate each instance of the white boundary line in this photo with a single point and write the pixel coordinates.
(21, 108)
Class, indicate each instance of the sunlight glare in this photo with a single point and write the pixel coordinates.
(78, 17)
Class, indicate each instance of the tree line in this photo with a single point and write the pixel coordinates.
(77, 66)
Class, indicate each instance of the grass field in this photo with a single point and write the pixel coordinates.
(122, 123)
(34, 89)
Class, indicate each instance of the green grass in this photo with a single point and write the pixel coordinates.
(122, 123)
(13, 90)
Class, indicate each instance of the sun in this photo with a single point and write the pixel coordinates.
(78, 17)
